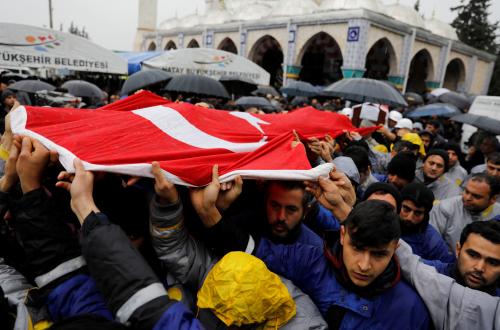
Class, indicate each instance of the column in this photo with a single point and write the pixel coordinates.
(291, 70)
(356, 49)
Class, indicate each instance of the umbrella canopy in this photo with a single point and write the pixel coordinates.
(366, 90)
(458, 100)
(34, 47)
(255, 101)
(265, 90)
(83, 88)
(434, 109)
(143, 79)
(300, 88)
(32, 86)
(208, 62)
(413, 98)
(199, 85)
(485, 123)
(439, 91)
(238, 85)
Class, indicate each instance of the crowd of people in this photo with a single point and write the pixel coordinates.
(404, 233)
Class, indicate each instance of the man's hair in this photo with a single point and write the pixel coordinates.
(402, 145)
(434, 123)
(360, 157)
(489, 230)
(494, 157)
(290, 185)
(373, 223)
(491, 181)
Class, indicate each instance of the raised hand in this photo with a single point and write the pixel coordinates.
(164, 189)
(31, 163)
(228, 193)
(204, 200)
(80, 185)
(10, 177)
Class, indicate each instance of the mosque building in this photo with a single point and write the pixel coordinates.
(322, 41)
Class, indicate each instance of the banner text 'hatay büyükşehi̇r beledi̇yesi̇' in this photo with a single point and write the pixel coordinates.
(41, 60)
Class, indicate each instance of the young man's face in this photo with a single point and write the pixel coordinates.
(476, 196)
(364, 265)
(426, 139)
(284, 209)
(452, 155)
(9, 101)
(411, 213)
(383, 196)
(478, 261)
(492, 169)
(431, 128)
(433, 167)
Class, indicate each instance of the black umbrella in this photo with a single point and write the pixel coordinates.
(265, 90)
(32, 86)
(413, 98)
(83, 88)
(198, 85)
(366, 90)
(255, 101)
(458, 100)
(485, 123)
(300, 88)
(238, 85)
(143, 79)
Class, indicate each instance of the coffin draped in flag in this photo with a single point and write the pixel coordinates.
(186, 140)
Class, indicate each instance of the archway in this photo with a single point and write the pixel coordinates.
(380, 60)
(421, 70)
(228, 45)
(152, 46)
(321, 60)
(454, 78)
(170, 45)
(193, 44)
(268, 53)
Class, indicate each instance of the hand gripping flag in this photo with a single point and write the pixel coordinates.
(185, 139)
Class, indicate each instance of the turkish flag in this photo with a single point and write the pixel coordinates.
(187, 140)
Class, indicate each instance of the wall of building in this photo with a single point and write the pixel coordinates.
(479, 81)
(376, 33)
(306, 32)
(219, 36)
(280, 34)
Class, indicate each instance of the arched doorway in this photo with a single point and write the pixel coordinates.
(170, 45)
(454, 78)
(421, 70)
(228, 45)
(380, 60)
(321, 60)
(268, 53)
(193, 44)
(152, 46)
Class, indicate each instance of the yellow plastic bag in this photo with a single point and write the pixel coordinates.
(241, 290)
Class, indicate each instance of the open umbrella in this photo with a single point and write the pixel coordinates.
(366, 90)
(300, 88)
(238, 85)
(264, 90)
(413, 98)
(32, 86)
(434, 109)
(439, 91)
(198, 85)
(83, 88)
(143, 79)
(255, 101)
(458, 100)
(485, 123)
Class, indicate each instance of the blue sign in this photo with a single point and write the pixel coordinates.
(353, 34)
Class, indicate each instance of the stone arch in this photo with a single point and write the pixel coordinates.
(381, 60)
(267, 52)
(421, 71)
(170, 45)
(454, 77)
(228, 45)
(193, 44)
(321, 60)
(152, 46)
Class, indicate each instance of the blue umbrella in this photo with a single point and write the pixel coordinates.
(434, 109)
